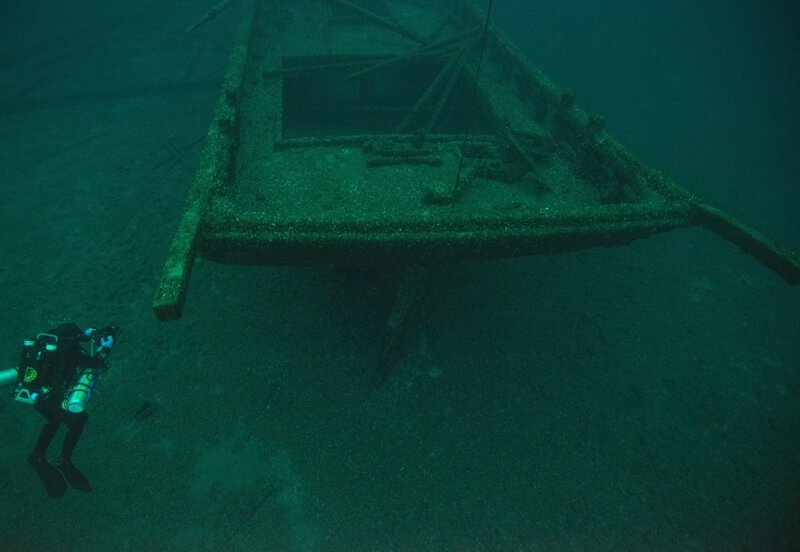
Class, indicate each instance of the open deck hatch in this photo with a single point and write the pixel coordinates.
(337, 101)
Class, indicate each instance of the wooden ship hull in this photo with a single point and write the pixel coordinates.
(410, 133)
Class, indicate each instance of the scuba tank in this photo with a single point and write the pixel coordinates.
(8, 377)
(78, 394)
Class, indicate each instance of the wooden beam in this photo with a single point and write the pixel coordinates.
(212, 14)
(381, 21)
(451, 65)
(410, 294)
(213, 172)
(784, 262)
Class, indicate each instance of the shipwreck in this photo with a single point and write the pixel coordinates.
(409, 134)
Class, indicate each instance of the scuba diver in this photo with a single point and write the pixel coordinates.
(57, 373)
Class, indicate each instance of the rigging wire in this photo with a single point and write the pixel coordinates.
(470, 113)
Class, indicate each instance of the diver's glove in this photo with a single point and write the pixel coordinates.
(105, 338)
(107, 335)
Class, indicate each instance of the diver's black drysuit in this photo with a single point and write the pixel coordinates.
(69, 336)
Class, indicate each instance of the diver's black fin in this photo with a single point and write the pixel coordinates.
(74, 477)
(52, 480)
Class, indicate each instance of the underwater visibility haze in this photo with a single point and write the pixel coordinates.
(396, 308)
